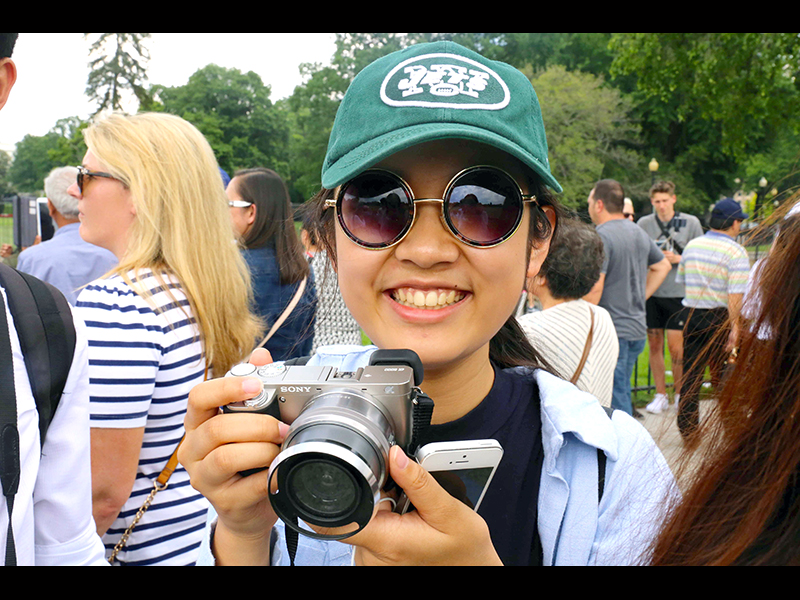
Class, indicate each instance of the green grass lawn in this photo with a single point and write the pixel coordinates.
(639, 379)
(6, 230)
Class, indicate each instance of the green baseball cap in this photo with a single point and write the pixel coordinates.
(435, 91)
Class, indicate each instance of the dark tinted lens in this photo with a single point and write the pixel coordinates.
(375, 209)
(322, 488)
(484, 206)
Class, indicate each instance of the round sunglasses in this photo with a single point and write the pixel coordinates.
(482, 207)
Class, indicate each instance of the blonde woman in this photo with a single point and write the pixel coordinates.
(175, 310)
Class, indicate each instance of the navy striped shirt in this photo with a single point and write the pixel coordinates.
(145, 356)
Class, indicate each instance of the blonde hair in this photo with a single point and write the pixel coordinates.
(182, 225)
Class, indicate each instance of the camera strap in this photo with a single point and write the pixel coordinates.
(292, 539)
(667, 234)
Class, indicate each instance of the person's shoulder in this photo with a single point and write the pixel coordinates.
(570, 412)
(646, 220)
(532, 318)
(32, 253)
(695, 242)
(600, 312)
(691, 218)
(115, 292)
(740, 252)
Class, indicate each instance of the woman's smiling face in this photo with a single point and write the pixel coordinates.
(432, 293)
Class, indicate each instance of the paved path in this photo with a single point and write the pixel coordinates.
(664, 429)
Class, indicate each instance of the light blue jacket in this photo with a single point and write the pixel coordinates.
(574, 530)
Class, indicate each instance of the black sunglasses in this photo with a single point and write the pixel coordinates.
(83, 172)
(482, 206)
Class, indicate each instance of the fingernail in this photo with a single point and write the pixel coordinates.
(400, 458)
(251, 385)
(283, 429)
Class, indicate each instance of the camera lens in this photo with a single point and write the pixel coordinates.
(322, 488)
(332, 466)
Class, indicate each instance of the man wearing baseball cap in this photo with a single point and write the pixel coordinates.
(714, 269)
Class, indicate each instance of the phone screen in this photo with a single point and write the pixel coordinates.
(464, 484)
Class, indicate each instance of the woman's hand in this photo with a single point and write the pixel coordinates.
(441, 531)
(217, 448)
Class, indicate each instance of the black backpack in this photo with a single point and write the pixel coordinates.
(43, 320)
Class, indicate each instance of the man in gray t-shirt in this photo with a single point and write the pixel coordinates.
(633, 269)
(671, 230)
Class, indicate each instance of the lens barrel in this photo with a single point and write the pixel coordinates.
(333, 464)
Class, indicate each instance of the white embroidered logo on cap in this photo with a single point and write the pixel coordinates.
(444, 81)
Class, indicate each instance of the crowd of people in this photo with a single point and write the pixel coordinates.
(438, 209)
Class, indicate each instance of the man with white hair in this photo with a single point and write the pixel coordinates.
(65, 261)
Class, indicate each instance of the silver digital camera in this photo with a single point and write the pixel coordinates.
(334, 461)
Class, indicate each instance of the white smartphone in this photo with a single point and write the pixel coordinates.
(465, 469)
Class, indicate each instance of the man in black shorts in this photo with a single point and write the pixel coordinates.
(671, 231)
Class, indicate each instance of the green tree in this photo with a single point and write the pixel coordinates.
(70, 146)
(589, 131)
(311, 111)
(117, 66)
(709, 100)
(234, 111)
(779, 165)
(32, 162)
(6, 188)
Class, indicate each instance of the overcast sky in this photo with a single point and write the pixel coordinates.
(53, 69)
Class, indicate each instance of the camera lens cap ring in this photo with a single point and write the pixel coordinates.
(284, 506)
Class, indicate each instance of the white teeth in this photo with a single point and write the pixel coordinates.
(432, 299)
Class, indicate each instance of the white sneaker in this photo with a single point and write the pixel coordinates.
(676, 398)
(659, 403)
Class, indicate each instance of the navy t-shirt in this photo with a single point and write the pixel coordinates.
(510, 414)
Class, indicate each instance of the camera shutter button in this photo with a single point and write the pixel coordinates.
(243, 370)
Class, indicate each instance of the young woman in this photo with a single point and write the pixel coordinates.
(174, 310)
(443, 279)
(262, 218)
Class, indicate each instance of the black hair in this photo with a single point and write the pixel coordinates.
(7, 42)
(722, 223)
(575, 260)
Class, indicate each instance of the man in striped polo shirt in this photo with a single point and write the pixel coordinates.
(714, 269)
